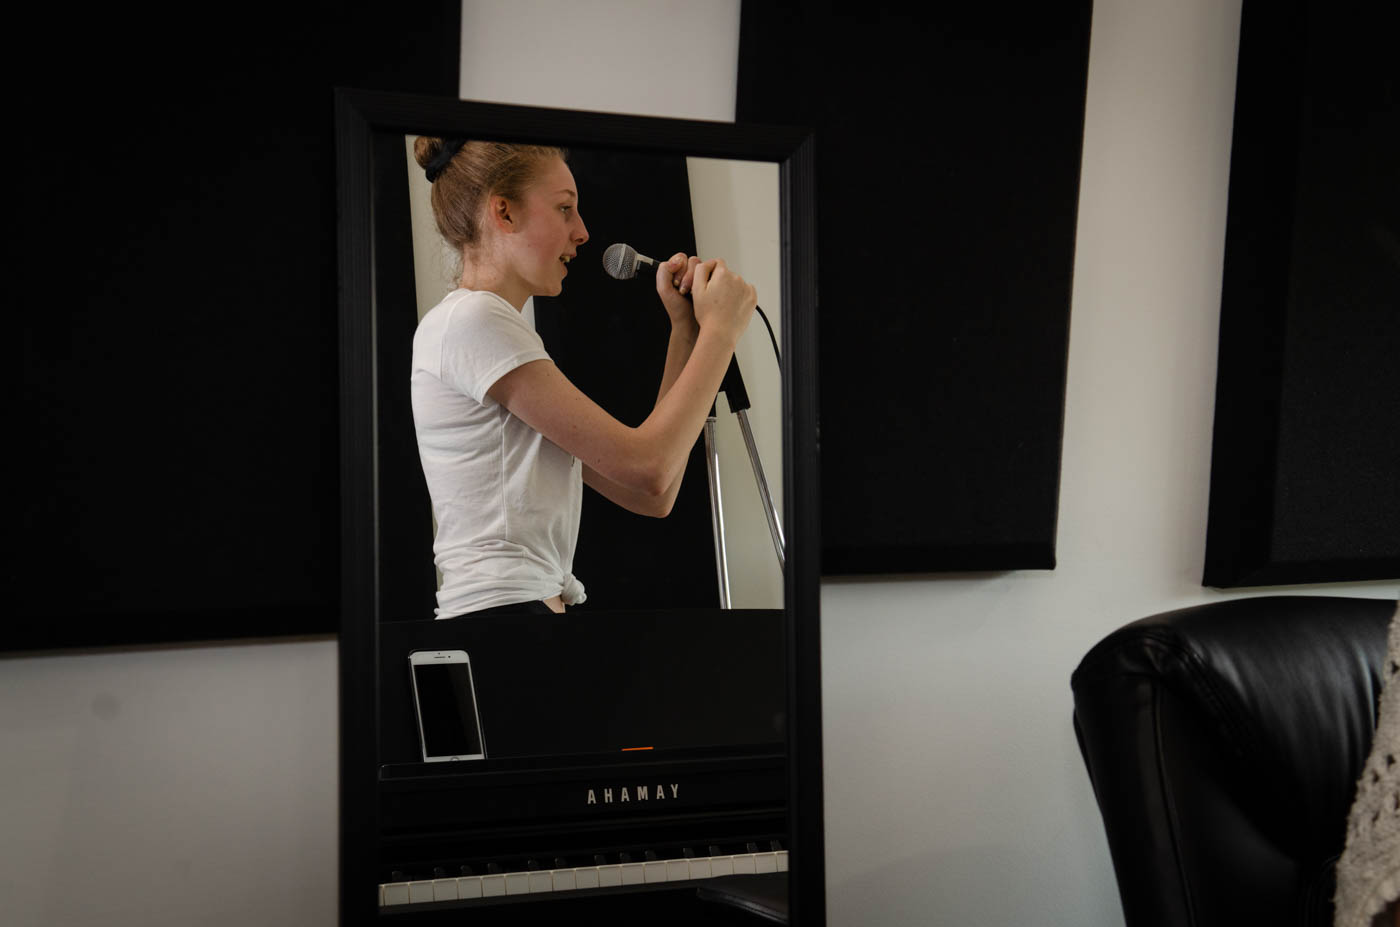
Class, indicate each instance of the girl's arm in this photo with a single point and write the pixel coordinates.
(649, 459)
(684, 333)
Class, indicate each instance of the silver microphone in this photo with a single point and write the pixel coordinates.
(621, 261)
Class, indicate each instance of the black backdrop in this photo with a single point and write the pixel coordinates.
(178, 414)
(1305, 469)
(948, 149)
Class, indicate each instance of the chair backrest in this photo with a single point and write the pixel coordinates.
(1224, 743)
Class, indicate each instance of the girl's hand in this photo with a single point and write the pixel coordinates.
(724, 301)
(674, 280)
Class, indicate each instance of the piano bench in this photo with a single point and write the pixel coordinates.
(765, 895)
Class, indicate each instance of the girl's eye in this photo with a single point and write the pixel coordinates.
(566, 208)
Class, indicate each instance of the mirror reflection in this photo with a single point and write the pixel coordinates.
(611, 339)
(642, 730)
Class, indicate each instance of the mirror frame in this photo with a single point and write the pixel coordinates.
(361, 119)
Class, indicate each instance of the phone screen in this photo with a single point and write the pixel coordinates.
(447, 710)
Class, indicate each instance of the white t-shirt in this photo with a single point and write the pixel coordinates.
(506, 498)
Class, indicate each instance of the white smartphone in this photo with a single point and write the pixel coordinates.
(444, 698)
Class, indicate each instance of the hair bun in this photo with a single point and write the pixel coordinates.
(447, 150)
(424, 147)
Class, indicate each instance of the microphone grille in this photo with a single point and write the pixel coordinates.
(620, 261)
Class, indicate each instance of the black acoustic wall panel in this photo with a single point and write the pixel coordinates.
(948, 151)
(178, 426)
(1305, 470)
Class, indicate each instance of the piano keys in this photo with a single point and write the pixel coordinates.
(622, 869)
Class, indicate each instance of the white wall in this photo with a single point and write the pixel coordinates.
(955, 791)
(736, 213)
(170, 786)
(645, 57)
(198, 784)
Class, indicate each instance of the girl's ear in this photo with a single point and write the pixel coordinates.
(500, 214)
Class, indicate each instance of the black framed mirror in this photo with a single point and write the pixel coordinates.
(728, 699)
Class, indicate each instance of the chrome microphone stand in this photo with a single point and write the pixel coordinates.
(621, 262)
(738, 399)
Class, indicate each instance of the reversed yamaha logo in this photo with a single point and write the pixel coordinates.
(647, 793)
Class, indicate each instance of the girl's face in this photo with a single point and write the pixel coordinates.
(547, 230)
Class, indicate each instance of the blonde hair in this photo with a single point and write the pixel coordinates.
(477, 171)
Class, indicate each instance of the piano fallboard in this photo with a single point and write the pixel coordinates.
(587, 791)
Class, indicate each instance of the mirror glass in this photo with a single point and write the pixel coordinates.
(609, 337)
(655, 582)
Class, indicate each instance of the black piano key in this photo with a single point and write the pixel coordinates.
(466, 870)
(599, 859)
(439, 872)
(533, 865)
(397, 876)
(715, 851)
(752, 847)
(494, 868)
(624, 857)
(687, 853)
(561, 863)
(649, 856)
(776, 845)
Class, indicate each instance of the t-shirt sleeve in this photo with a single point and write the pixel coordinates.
(484, 340)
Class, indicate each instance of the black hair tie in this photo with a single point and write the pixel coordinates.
(435, 167)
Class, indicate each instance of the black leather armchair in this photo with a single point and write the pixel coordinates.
(1224, 743)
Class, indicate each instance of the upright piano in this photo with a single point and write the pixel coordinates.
(631, 758)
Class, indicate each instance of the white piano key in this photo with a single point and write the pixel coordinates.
(583, 877)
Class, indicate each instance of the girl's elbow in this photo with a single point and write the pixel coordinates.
(656, 487)
(664, 500)
(653, 479)
(656, 490)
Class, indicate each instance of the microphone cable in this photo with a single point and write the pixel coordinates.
(776, 354)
